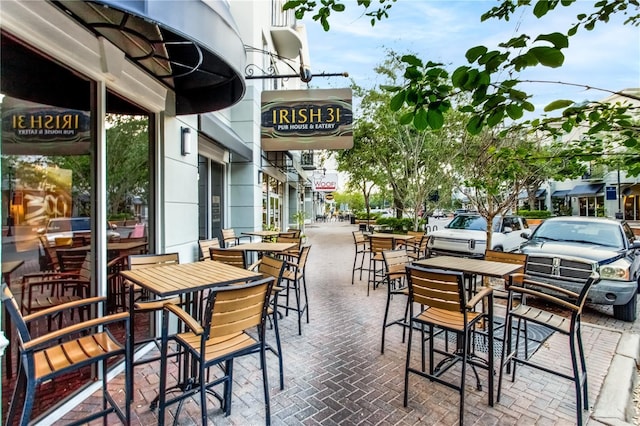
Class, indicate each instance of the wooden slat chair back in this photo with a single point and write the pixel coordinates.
(204, 247)
(50, 254)
(231, 314)
(500, 256)
(296, 232)
(70, 260)
(53, 355)
(560, 310)
(376, 262)
(229, 237)
(235, 258)
(396, 262)
(441, 295)
(294, 251)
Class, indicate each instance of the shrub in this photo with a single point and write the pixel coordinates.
(535, 214)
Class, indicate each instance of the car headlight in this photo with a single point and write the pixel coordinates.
(614, 272)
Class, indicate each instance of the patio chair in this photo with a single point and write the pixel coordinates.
(225, 333)
(204, 245)
(51, 356)
(376, 262)
(294, 278)
(229, 237)
(236, 258)
(41, 291)
(562, 313)
(270, 266)
(294, 252)
(442, 296)
(143, 303)
(361, 245)
(296, 232)
(395, 265)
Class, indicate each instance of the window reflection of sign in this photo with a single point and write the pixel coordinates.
(30, 128)
(215, 208)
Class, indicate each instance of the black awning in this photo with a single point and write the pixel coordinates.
(561, 193)
(193, 47)
(586, 190)
(524, 194)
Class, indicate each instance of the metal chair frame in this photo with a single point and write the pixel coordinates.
(76, 346)
(442, 296)
(561, 300)
(218, 340)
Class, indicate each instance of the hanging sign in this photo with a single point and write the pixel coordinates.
(306, 119)
(325, 183)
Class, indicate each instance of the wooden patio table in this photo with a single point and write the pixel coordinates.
(262, 234)
(120, 247)
(487, 268)
(181, 279)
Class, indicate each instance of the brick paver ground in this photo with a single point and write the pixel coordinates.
(335, 373)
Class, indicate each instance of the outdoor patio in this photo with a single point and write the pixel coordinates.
(335, 374)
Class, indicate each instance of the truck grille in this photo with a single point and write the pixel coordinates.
(569, 269)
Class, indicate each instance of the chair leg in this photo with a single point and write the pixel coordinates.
(17, 395)
(406, 368)
(265, 383)
(583, 364)
(29, 399)
(576, 378)
(278, 345)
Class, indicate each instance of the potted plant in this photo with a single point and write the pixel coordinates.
(299, 218)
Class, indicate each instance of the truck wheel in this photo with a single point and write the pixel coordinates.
(626, 312)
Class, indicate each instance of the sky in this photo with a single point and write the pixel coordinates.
(443, 30)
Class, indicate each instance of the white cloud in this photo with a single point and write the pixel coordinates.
(439, 30)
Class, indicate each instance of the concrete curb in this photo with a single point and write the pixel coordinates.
(615, 402)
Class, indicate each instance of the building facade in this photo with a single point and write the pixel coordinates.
(157, 89)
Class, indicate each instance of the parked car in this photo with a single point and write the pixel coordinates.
(438, 214)
(466, 235)
(67, 227)
(564, 251)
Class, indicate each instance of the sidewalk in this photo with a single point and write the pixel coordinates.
(335, 374)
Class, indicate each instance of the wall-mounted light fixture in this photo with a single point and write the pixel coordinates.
(260, 177)
(185, 140)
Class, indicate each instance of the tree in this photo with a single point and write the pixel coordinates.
(490, 81)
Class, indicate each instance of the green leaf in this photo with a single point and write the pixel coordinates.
(420, 121)
(474, 126)
(558, 104)
(390, 88)
(631, 143)
(397, 101)
(495, 117)
(541, 8)
(514, 111)
(435, 119)
(338, 7)
(475, 52)
(528, 106)
(406, 118)
(412, 60)
(412, 73)
(559, 41)
(567, 126)
(548, 56)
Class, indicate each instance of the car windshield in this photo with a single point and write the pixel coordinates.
(603, 234)
(472, 222)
